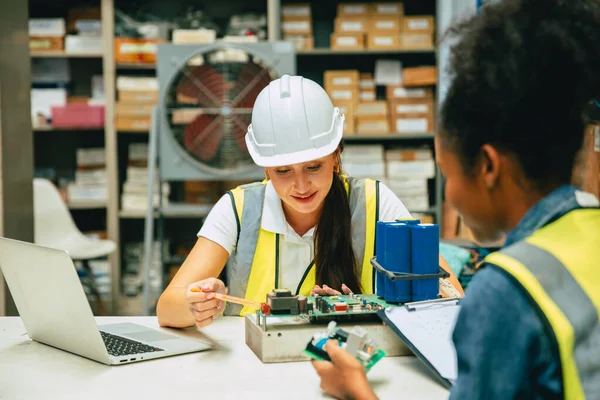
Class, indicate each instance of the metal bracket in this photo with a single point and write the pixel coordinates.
(395, 276)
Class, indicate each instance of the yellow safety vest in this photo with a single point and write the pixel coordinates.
(252, 270)
(559, 267)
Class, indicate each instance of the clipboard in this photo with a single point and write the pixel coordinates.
(426, 328)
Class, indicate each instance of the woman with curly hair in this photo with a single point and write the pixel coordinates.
(513, 122)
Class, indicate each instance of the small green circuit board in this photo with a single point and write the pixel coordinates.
(368, 355)
(374, 359)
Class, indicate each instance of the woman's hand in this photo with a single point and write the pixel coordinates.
(344, 377)
(203, 305)
(327, 291)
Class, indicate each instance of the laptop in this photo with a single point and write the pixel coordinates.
(55, 311)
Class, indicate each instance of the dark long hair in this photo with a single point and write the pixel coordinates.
(334, 255)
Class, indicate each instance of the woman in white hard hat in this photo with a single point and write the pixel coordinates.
(307, 227)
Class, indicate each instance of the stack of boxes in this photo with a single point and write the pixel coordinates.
(380, 26)
(343, 89)
(407, 172)
(47, 35)
(384, 26)
(417, 32)
(91, 184)
(135, 188)
(350, 27)
(404, 171)
(411, 109)
(296, 26)
(136, 98)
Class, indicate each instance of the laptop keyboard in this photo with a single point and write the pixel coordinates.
(120, 346)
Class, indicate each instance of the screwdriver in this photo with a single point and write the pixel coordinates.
(264, 307)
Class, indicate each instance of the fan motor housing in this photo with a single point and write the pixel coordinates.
(206, 97)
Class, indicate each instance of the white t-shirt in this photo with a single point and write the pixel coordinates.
(296, 251)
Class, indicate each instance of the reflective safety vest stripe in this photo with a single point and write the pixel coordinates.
(559, 267)
(253, 268)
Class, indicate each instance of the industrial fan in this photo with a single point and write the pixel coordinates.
(207, 94)
(198, 128)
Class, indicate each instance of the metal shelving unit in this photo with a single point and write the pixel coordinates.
(110, 68)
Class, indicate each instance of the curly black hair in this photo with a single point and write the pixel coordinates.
(522, 74)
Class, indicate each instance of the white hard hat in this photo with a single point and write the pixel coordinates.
(293, 121)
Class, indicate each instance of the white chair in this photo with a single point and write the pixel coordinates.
(54, 227)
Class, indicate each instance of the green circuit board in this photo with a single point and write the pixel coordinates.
(340, 307)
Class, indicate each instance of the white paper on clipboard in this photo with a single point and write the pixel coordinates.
(427, 330)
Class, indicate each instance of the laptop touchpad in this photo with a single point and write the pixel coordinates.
(151, 336)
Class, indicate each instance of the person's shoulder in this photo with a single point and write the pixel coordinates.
(495, 287)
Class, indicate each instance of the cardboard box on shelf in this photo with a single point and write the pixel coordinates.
(378, 9)
(364, 169)
(295, 10)
(341, 79)
(136, 50)
(372, 125)
(301, 43)
(418, 24)
(367, 95)
(408, 105)
(411, 41)
(413, 123)
(385, 24)
(46, 27)
(139, 124)
(351, 24)
(194, 36)
(350, 94)
(299, 26)
(353, 9)
(126, 83)
(83, 44)
(363, 152)
(347, 41)
(372, 109)
(419, 76)
(424, 169)
(137, 96)
(383, 40)
(46, 43)
(133, 109)
(401, 92)
(366, 81)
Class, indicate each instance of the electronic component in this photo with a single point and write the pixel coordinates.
(282, 301)
(355, 342)
(302, 304)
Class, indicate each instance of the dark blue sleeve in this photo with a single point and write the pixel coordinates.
(502, 349)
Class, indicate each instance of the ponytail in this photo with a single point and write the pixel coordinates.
(334, 256)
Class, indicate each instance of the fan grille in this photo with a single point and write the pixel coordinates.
(209, 105)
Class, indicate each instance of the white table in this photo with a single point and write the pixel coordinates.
(30, 370)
